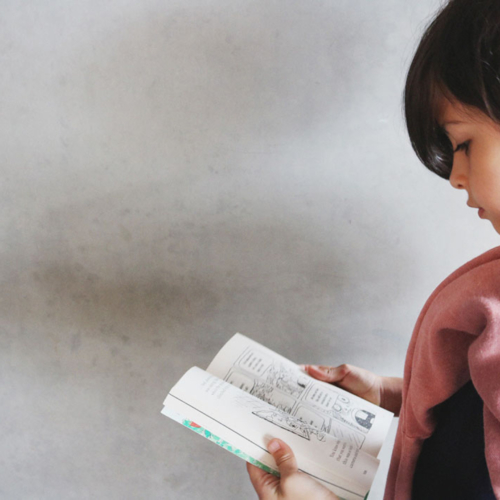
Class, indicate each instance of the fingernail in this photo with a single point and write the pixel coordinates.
(273, 446)
(303, 367)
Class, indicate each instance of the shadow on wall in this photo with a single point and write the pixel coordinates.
(162, 238)
(123, 277)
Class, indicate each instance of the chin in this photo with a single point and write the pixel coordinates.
(496, 227)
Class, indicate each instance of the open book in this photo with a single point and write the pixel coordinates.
(249, 395)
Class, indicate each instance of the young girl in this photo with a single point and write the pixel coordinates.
(448, 440)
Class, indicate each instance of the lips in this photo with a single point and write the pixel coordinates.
(480, 212)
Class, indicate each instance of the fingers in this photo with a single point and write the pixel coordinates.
(291, 483)
(266, 485)
(329, 374)
(262, 481)
(283, 456)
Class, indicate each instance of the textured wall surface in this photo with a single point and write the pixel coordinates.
(174, 172)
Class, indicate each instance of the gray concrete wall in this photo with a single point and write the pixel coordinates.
(174, 172)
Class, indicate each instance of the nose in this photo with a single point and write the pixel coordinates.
(458, 176)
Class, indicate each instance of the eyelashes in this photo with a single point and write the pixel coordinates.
(463, 146)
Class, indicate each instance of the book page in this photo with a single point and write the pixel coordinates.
(271, 377)
(248, 423)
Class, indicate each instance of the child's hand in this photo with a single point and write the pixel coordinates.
(357, 381)
(292, 485)
(382, 391)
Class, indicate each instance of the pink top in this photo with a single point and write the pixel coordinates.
(456, 338)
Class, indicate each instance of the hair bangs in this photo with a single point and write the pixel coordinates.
(424, 95)
(457, 60)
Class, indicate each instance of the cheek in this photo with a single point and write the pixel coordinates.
(484, 178)
(490, 188)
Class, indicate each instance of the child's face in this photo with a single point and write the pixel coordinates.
(476, 162)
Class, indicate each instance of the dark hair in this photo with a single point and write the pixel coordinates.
(458, 58)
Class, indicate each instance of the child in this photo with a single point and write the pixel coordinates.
(448, 440)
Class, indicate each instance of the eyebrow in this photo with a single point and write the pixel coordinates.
(453, 122)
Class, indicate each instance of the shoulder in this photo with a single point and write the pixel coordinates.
(478, 270)
(483, 263)
(468, 286)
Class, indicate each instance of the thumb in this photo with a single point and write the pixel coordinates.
(327, 373)
(283, 456)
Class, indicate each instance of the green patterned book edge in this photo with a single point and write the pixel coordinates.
(217, 440)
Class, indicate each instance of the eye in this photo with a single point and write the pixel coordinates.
(463, 146)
